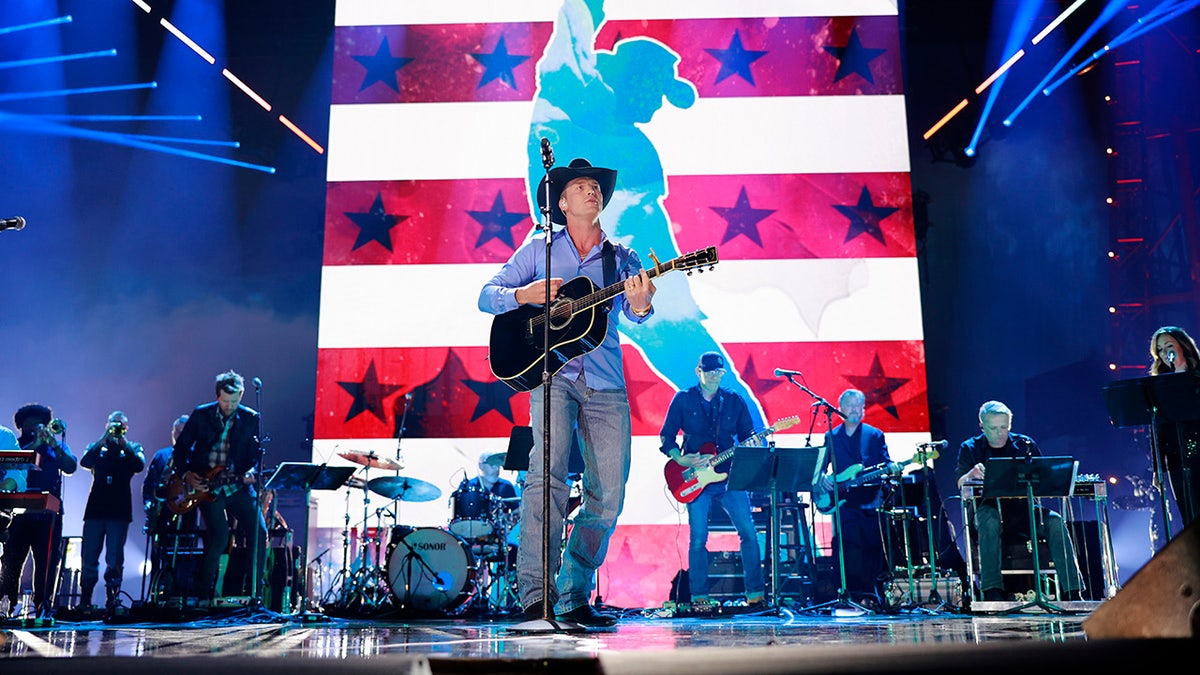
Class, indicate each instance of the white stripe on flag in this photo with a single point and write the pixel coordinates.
(768, 135)
(409, 12)
(379, 306)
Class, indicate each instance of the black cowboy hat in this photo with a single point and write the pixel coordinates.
(561, 175)
(35, 410)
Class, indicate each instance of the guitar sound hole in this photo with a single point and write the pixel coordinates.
(560, 314)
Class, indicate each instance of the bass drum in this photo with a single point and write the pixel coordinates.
(429, 569)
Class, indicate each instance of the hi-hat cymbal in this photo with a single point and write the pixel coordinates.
(371, 459)
(404, 488)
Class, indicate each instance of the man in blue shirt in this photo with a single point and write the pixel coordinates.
(713, 418)
(588, 392)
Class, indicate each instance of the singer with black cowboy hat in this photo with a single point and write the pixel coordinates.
(38, 533)
(217, 453)
(588, 392)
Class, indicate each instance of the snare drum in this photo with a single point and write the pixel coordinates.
(472, 513)
(429, 568)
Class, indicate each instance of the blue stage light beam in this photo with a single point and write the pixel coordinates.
(37, 125)
(1021, 26)
(1155, 18)
(1110, 10)
(123, 118)
(56, 93)
(57, 59)
(36, 24)
(184, 141)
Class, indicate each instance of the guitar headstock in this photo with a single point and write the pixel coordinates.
(785, 423)
(697, 260)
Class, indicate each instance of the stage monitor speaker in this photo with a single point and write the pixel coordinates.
(1161, 600)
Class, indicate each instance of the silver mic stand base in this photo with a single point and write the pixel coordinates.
(547, 626)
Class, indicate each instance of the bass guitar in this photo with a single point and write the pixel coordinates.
(578, 324)
(181, 498)
(687, 482)
(856, 476)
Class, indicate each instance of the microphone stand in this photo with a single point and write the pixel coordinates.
(256, 574)
(547, 624)
(843, 601)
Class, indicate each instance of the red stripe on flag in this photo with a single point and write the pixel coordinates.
(361, 392)
(811, 215)
(425, 221)
(445, 63)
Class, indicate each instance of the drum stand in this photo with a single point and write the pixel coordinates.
(366, 585)
(499, 591)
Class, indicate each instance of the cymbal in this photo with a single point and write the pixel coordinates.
(496, 459)
(371, 459)
(355, 482)
(404, 488)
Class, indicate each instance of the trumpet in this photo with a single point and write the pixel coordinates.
(56, 426)
(117, 429)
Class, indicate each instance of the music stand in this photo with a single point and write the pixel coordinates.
(757, 468)
(1031, 477)
(520, 444)
(1146, 401)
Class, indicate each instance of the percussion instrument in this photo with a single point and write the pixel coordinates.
(473, 512)
(371, 460)
(429, 568)
(404, 488)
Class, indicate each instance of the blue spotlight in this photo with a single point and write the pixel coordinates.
(24, 96)
(56, 59)
(36, 24)
(123, 118)
(184, 141)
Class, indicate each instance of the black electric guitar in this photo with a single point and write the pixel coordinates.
(578, 324)
(855, 476)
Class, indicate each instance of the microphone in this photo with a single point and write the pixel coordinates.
(257, 383)
(939, 445)
(781, 372)
(547, 154)
(1170, 356)
(17, 223)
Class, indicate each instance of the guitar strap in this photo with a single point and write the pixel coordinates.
(609, 255)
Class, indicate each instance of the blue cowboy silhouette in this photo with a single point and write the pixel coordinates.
(588, 104)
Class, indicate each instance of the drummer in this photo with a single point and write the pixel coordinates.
(489, 480)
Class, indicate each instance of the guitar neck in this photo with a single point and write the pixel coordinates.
(608, 292)
(752, 438)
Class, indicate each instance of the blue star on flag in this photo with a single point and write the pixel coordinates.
(382, 67)
(878, 387)
(499, 65)
(865, 217)
(497, 222)
(736, 59)
(854, 58)
(369, 395)
(375, 224)
(742, 218)
(494, 395)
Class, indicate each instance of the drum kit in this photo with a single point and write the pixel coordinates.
(465, 567)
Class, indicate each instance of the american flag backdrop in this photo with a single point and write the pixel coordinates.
(781, 140)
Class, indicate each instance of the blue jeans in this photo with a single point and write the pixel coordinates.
(110, 535)
(737, 504)
(605, 431)
(1050, 525)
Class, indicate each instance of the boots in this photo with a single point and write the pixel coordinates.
(85, 595)
(113, 598)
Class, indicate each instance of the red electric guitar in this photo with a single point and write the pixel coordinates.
(687, 482)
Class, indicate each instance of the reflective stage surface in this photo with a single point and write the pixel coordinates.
(639, 642)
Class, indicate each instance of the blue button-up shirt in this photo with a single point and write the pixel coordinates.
(499, 295)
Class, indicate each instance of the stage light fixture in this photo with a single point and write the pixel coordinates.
(942, 122)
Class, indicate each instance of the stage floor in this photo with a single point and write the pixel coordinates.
(641, 641)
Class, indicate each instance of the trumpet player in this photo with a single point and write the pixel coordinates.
(113, 460)
(37, 533)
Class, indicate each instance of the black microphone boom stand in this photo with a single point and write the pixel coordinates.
(843, 601)
(261, 438)
(547, 624)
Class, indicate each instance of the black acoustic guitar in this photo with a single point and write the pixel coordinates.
(578, 323)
